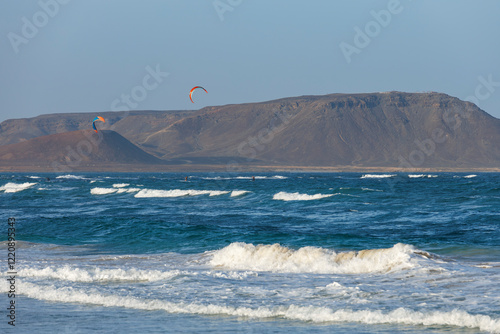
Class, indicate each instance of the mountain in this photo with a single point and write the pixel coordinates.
(75, 149)
(394, 129)
(384, 130)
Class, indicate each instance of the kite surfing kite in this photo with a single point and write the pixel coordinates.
(192, 90)
(98, 118)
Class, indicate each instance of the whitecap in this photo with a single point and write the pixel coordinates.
(70, 177)
(236, 193)
(107, 191)
(103, 191)
(284, 196)
(12, 187)
(151, 193)
(416, 176)
(377, 176)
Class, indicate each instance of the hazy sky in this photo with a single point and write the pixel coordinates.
(98, 55)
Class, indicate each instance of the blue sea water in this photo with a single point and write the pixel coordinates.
(287, 252)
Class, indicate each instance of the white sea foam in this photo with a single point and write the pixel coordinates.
(277, 258)
(70, 177)
(275, 177)
(96, 274)
(416, 176)
(102, 191)
(284, 196)
(234, 275)
(314, 314)
(465, 177)
(16, 187)
(377, 176)
(34, 177)
(146, 193)
(236, 193)
(120, 185)
(107, 191)
(369, 189)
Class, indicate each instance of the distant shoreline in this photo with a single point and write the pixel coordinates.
(234, 169)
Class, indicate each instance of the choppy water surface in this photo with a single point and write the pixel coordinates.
(300, 252)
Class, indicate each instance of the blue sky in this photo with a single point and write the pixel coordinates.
(93, 55)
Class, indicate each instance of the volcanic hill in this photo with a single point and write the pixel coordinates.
(75, 149)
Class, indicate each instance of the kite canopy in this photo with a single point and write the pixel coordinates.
(192, 90)
(98, 118)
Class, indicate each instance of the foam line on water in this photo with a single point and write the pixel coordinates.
(115, 190)
(71, 177)
(275, 177)
(418, 176)
(95, 274)
(149, 193)
(314, 314)
(284, 196)
(377, 176)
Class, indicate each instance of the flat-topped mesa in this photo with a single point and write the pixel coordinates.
(391, 129)
(380, 129)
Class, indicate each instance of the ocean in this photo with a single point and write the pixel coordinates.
(222, 253)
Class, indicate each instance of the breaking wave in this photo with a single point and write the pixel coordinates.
(107, 191)
(277, 258)
(236, 193)
(16, 187)
(71, 177)
(284, 196)
(147, 193)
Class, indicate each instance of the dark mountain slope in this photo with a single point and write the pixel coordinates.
(76, 148)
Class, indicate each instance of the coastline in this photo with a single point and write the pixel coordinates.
(240, 168)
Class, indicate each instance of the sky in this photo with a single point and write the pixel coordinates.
(60, 56)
